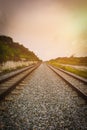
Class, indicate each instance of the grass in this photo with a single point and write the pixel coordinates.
(82, 73)
(10, 70)
(79, 61)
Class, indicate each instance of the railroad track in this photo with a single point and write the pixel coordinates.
(77, 83)
(9, 82)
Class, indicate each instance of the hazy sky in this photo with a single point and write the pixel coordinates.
(50, 28)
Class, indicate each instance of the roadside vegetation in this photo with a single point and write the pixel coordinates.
(5, 71)
(80, 61)
(13, 51)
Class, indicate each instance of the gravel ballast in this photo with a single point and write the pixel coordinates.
(45, 103)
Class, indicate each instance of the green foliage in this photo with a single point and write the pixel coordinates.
(78, 72)
(82, 73)
(10, 50)
(71, 60)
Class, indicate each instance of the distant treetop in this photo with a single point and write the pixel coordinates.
(6, 39)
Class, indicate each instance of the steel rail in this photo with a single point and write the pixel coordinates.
(80, 92)
(14, 74)
(4, 93)
(84, 80)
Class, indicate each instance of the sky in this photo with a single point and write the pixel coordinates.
(50, 28)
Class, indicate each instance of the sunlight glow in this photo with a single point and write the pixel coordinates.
(47, 29)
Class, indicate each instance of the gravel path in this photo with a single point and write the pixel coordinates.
(46, 103)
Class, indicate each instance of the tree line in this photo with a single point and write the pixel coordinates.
(13, 51)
